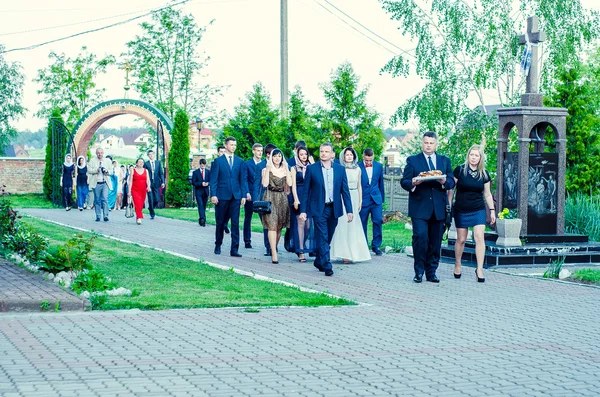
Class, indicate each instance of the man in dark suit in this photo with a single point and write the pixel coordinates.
(228, 191)
(256, 189)
(325, 187)
(250, 167)
(427, 202)
(200, 181)
(373, 196)
(220, 151)
(157, 181)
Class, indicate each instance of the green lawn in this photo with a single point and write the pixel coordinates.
(395, 234)
(163, 281)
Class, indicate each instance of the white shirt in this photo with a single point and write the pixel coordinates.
(433, 160)
(369, 172)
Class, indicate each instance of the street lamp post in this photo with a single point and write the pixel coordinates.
(199, 127)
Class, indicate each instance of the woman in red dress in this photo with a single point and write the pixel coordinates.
(139, 185)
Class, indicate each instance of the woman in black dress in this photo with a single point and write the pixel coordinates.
(275, 177)
(303, 242)
(472, 188)
(82, 183)
(68, 173)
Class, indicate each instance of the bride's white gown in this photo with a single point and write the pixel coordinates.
(349, 240)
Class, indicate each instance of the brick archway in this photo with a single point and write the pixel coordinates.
(85, 128)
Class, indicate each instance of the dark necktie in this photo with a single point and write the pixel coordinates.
(230, 161)
(431, 167)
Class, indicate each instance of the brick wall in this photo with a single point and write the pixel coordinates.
(22, 175)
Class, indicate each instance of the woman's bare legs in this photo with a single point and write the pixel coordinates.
(459, 248)
(478, 235)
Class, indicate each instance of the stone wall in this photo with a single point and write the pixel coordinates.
(22, 175)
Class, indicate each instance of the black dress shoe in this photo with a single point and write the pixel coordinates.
(318, 267)
(418, 278)
(151, 216)
(235, 253)
(377, 251)
(329, 272)
(106, 219)
(200, 222)
(248, 245)
(267, 253)
(226, 230)
(97, 219)
(217, 250)
(433, 279)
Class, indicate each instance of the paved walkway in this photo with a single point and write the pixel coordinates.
(511, 336)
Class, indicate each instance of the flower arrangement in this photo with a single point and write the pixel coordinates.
(508, 214)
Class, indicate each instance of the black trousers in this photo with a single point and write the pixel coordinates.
(228, 209)
(427, 244)
(248, 222)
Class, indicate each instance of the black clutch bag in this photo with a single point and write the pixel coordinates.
(262, 206)
(449, 215)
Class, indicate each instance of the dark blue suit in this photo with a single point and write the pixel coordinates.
(201, 192)
(229, 186)
(324, 217)
(250, 175)
(373, 196)
(427, 208)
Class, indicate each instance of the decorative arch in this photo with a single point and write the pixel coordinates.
(87, 126)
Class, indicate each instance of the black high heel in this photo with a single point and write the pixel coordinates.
(275, 262)
(479, 279)
(457, 275)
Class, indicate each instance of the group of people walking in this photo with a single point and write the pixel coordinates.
(104, 185)
(315, 202)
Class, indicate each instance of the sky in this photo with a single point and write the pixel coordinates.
(243, 44)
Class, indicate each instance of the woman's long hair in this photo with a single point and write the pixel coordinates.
(481, 172)
(84, 162)
(354, 162)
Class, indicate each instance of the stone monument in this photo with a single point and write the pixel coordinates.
(532, 181)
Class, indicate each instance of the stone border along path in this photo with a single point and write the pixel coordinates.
(511, 336)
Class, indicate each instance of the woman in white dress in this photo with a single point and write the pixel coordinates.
(349, 242)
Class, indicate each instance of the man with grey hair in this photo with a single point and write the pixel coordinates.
(325, 187)
(99, 169)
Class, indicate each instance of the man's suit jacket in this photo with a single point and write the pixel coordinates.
(256, 187)
(93, 165)
(157, 178)
(428, 197)
(226, 182)
(372, 192)
(250, 175)
(313, 196)
(197, 180)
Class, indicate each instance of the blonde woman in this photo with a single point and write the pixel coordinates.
(472, 193)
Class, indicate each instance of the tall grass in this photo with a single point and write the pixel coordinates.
(582, 215)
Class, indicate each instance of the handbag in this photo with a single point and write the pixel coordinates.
(129, 210)
(262, 206)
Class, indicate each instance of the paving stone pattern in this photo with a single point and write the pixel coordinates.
(511, 336)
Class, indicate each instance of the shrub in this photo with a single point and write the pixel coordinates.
(179, 188)
(72, 256)
(582, 215)
(554, 268)
(92, 281)
(26, 241)
(8, 218)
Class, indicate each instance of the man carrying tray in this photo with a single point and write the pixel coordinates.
(427, 200)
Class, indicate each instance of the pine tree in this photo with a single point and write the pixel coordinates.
(51, 181)
(179, 188)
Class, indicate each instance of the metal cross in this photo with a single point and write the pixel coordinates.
(127, 68)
